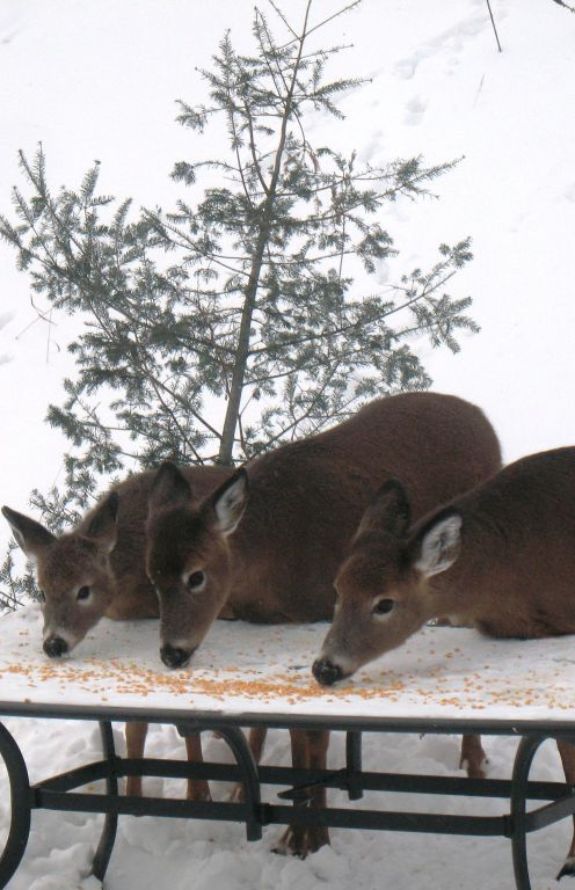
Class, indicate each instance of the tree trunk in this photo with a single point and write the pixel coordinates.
(225, 454)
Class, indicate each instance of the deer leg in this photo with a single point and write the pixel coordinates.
(291, 840)
(256, 741)
(567, 754)
(198, 789)
(318, 835)
(135, 742)
(473, 757)
(309, 751)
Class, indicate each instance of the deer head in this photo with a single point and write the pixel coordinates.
(73, 573)
(385, 587)
(188, 556)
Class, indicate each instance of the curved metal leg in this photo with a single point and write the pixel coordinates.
(108, 836)
(21, 801)
(526, 751)
(250, 778)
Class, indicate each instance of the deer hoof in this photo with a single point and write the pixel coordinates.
(568, 868)
(300, 842)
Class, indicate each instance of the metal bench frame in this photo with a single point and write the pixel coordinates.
(60, 792)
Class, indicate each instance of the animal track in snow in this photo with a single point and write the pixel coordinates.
(7, 39)
(454, 38)
(373, 146)
(415, 111)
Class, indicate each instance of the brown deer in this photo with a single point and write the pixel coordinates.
(273, 559)
(98, 570)
(500, 558)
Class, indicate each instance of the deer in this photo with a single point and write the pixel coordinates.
(97, 569)
(271, 557)
(498, 558)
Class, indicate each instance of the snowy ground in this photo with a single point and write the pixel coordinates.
(154, 853)
(98, 80)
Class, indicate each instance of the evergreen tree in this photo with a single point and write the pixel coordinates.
(245, 317)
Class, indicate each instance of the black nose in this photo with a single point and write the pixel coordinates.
(54, 647)
(173, 657)
(326, 672)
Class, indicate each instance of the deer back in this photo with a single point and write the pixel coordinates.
(305, 501)
(515, 557)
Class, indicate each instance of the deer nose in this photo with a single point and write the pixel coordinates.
(54, 647)
(174, 657)
(326, 672)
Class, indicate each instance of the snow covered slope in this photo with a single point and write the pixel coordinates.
(99, 80)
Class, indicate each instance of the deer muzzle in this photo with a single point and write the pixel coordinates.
(55, 647)
(174, 657)
(326, 672)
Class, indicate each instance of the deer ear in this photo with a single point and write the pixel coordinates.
(29, 534)
(103, 527)
(229, 502)
(169, 488)
(389, 511)
(438, 544)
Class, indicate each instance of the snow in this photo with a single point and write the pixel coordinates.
(441, 673)
(98, 80)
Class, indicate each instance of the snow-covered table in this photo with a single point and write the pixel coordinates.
(442, 680)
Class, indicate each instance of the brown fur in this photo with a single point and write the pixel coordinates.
(503, 561)
(511, 572)
(517, 563)
(83, 557)
(120, 585)
(305, 501)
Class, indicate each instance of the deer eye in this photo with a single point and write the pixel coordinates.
(83, 593)
(383, 606)
(196, 580)
(41, 596)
